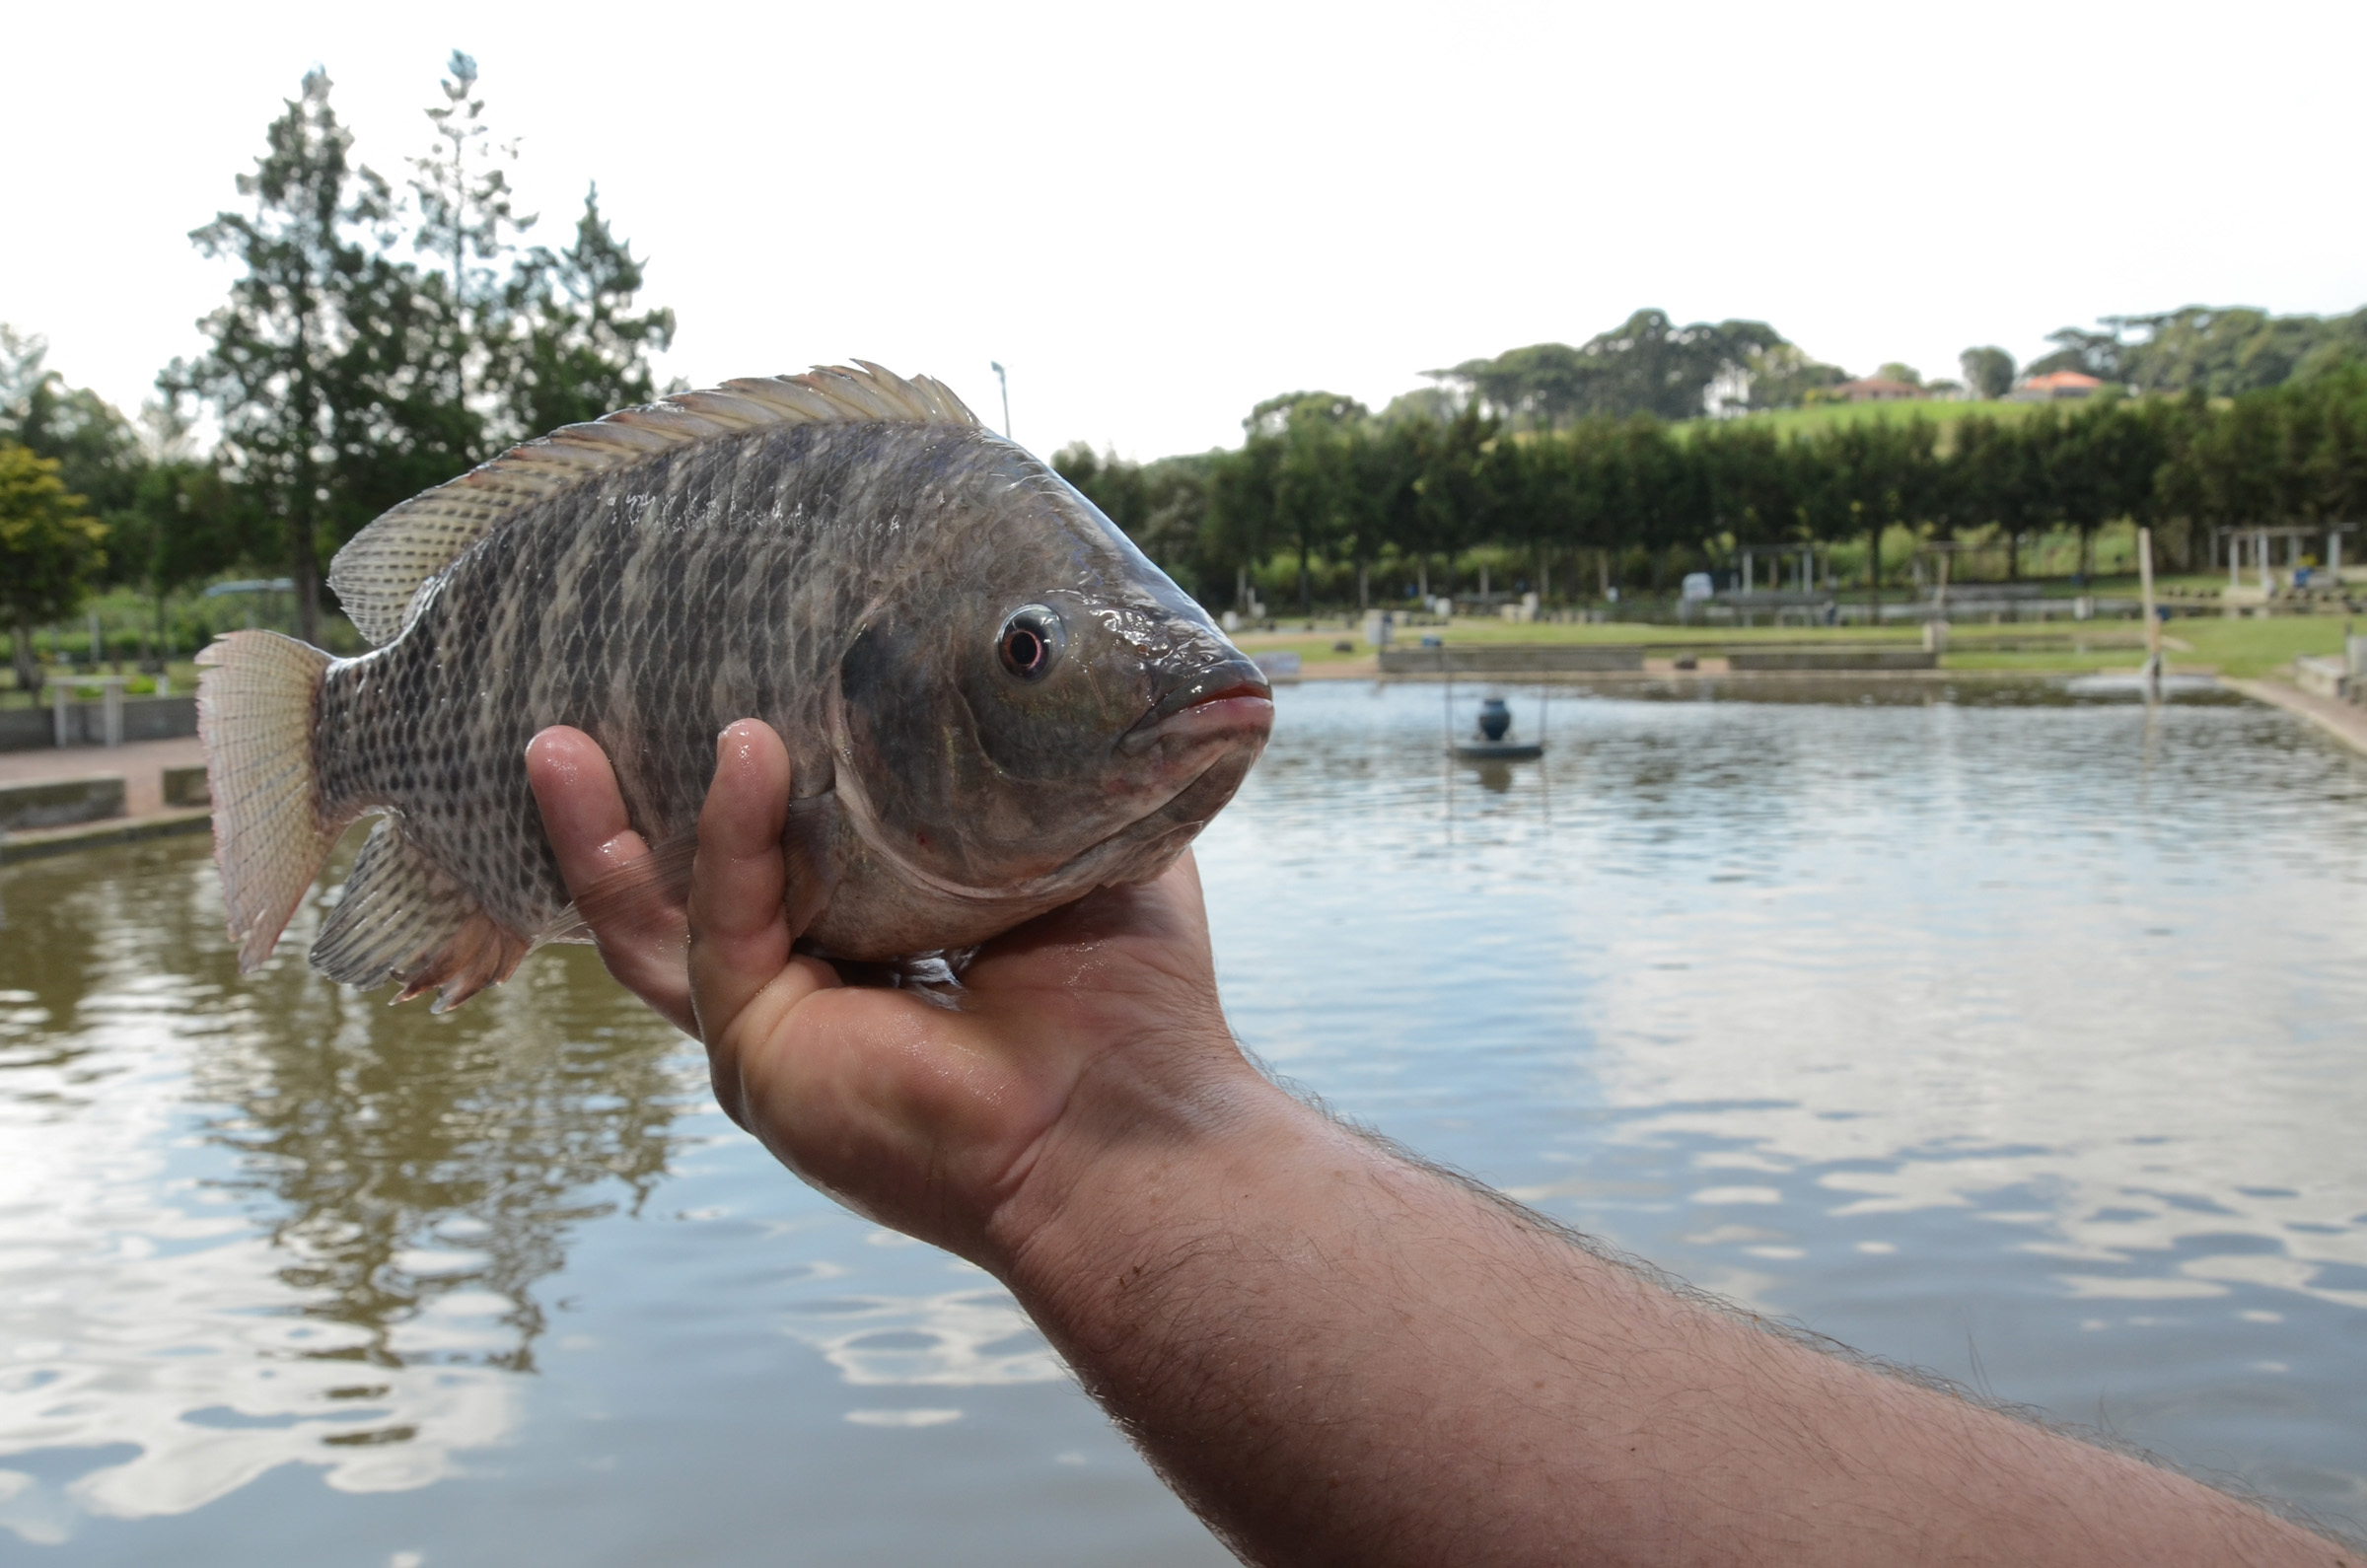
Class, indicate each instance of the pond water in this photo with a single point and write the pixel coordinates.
(2009, 1036)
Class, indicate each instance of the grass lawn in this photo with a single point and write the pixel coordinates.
(2242, 647)
(1319, 647)
(2254, 648)
(182, 673)
(1821, 417)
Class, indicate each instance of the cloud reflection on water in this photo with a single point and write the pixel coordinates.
(1996, 1017)
(2069, 996)
(961, 1338)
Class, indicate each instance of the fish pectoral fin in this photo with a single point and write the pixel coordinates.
(810, 848)
(402, 918)
(650, 896)
(642, 896)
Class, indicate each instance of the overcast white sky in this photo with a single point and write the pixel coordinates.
(1155, 216)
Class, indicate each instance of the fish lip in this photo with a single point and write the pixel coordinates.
(1227, 698)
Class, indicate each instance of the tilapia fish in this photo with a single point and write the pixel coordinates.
(994, 702)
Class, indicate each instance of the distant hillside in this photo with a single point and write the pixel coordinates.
(1817, 418)
(1646, 364)
(2223, 350)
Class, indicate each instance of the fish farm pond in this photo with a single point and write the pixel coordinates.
(1989, 1029)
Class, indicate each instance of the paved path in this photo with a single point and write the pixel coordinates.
(141, 763)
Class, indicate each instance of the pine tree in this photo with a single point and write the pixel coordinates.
(286, 370)
(578, 349)
(467, 222)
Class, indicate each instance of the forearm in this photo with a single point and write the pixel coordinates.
(1335, 1355)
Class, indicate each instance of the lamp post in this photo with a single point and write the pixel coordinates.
(1005, 382)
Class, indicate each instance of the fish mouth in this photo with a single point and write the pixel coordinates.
(1225, 702)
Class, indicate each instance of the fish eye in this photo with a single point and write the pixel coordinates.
(1030, 641)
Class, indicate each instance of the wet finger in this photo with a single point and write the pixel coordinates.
(620, 892)
(641, 939)
(582, 812)
(738, 935)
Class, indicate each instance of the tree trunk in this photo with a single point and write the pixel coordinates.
(1364, 588)
(1874, 569)
(304, 550)
(29, 669)
(304, 565)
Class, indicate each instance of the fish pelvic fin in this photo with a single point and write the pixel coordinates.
(379, 575)
(255, 702)
(649, 895)
(402, 918)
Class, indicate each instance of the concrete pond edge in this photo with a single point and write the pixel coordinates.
(2344, 721)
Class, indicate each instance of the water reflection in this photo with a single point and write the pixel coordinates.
(961, 1338)
(1989, 1029)
(1995, 1029)
(245, 1223)
(402, 1159)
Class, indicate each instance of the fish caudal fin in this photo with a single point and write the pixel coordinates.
(254, 713)
(403, 918)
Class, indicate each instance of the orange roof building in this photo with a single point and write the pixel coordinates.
(2047, 389)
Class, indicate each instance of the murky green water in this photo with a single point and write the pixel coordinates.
(2016, 1038)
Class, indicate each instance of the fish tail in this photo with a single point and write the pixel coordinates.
(255, 701)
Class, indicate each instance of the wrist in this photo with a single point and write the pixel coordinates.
(1151, 1151)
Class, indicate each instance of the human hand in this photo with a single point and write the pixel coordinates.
(926, 1117)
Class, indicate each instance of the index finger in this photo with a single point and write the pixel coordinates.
(744, 976)
(583, 814)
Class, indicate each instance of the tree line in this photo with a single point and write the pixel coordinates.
(376, 340)
(1324, 499)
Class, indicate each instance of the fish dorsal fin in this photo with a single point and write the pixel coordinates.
(378, 575)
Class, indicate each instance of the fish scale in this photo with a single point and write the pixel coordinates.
(844, 556)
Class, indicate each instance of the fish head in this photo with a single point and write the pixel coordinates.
(1045, 709)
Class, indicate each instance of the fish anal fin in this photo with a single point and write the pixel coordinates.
(482, 951)
(404, 918)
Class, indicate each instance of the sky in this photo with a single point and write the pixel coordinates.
(1155, 216)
